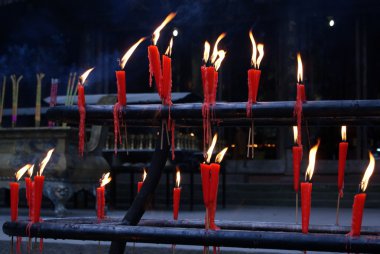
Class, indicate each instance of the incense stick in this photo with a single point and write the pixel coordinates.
(2, 99)
(15, 89)
(74, 91)
(37, 116)
(337, 210)
(68, 89)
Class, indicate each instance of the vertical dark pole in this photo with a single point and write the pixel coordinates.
(137, 209)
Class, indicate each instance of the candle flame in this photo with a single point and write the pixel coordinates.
(260, 49)
(221, 56)
(215, 51)
(312, 156)
(368, 173)
(168, 51)
(178, 178)
(84, 76)
(220, 155)
(45, 161)
(206, 52)
(211, 148)
(129, 53)
(144, 175)
(22, 171)
(30, 171)
(295, 134)
(105, 179)
(254, 52)
(156, 33)
(299, 69)
(344, 133)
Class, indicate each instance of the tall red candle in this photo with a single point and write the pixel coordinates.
(297, 157)
(306, 189)
(205, 175)
(253, 84)
(37, 191)
(154, 66)
(357, 214)
(29, 190)
(14, 195)
(300, 98)
(81, 97)
(211, 74)
(176, 195)
(121, 87)
(166, 79)
(343, 147)
(101, 202)
(214, 184)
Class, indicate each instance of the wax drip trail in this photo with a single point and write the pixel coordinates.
(298, 113)
(206, 124)
(18, 244)
(117, 114)
(82, 116)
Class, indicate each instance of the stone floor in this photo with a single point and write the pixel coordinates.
(319, 216)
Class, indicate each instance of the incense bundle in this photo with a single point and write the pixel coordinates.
(15, 87)
(2, 99)
(37, 116)
(53, 96)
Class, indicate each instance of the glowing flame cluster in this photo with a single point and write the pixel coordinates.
(219, 156)
(295, 134)
(255, 62)
(178, 178)
(144, 175)
(344, 133)
(105, 179)
(217, 56)
(45, 161)
(84, 76)
(312, 157)
(368, 173)
(168, 51)
(129, 53)
(156, 33)
(23, 170)
(299, 69)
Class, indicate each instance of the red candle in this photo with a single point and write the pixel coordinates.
(214, 183)
(140, 184)
(29, 189)
(14, 188)
(297, 157)
(154, 66)
(357, 214)
(343, 146)
(176, 196)
(301, 92)
(101, 202)
(37, 191)
(166, 79)
(205, 175)
(81, 97)
(306, 189)
(211, 74)
(204, 82)
(121, 87)
(299, 99)
(253, 84)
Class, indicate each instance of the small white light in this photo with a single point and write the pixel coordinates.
(175, 32)
(331, 23)
(377, 149)
(192, 134)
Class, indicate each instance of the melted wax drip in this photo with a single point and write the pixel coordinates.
(18, 244)
(298, 113)
(82, 126)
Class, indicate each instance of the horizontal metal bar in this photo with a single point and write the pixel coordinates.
(270, 113)
(189, 236)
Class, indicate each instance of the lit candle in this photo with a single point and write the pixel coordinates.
(254, 73)
(82, 110)
(297, 157)
(154, 55)
(306, 188)
(38, 187)
(100, 195)
(359, 199)
(29, 191)
(14, 191)
(176, 195)
(140, 183)
(167, 75)
(300, 98)
(343, 146)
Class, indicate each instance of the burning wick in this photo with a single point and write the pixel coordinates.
(140, 184)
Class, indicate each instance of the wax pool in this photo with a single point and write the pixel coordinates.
(306, 189)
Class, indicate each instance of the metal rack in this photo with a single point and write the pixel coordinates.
(235, 234)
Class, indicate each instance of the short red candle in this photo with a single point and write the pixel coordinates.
(121, 87)
(139, 185)
(306, 189)
(101, 202)
(297, 157)
(357, 214)
(154, 66)
(253, 84)
(37, 191)
(343, 146)
(176, 199)
(166, 78)
(205, 174)
(28, 190)
(14, 188)
(210, 81)
(214, 182)
(81, 97)
(204, 82)
(301, 92)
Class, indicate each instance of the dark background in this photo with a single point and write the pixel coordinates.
(340, 62)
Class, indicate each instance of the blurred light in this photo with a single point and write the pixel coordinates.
(192, 134)
(175, 32)
(377, 149)
(233, 145)
(331, 23)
